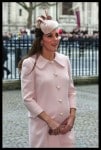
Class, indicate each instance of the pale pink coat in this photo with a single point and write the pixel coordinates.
(48, 88)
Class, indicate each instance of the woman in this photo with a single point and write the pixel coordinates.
(47, 89)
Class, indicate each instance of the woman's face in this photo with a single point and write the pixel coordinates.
(51, 41)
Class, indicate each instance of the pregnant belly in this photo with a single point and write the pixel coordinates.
(59, 113)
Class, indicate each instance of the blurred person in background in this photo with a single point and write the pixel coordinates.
(4, 59)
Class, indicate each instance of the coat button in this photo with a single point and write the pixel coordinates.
(58, 87)
(60, 100)
(55, 74)
(61, 114)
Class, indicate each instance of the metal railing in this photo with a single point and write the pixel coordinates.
(83, 54)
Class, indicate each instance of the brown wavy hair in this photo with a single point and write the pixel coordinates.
(35, 49)
(36, 45)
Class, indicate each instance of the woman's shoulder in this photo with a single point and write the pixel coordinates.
(29, 60)
(62, 56)
(28, 64)
(62, 59)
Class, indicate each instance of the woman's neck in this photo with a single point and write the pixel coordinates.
(49, 56)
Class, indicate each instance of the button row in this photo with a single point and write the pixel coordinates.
(58, 87)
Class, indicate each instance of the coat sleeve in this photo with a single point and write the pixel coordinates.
(71, 89)
(28, 88)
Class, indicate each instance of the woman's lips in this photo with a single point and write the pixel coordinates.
(54, 45)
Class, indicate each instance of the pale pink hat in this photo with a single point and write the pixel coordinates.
(46, 25)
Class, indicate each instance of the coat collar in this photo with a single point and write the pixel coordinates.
(42, 62)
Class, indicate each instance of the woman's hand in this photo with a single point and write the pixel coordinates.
(54, 127)
(67, 124)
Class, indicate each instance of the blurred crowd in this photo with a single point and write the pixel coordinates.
(74, 35)
(20, 33)
(79, 35)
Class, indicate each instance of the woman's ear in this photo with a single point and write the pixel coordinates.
(41, 42)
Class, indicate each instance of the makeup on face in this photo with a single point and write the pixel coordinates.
(53, 35)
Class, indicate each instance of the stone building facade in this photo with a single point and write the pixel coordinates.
(15, 16)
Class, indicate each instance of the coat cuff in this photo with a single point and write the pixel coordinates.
(33, 108)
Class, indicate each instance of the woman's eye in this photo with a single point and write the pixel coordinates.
(57, 35)
(49, 35)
